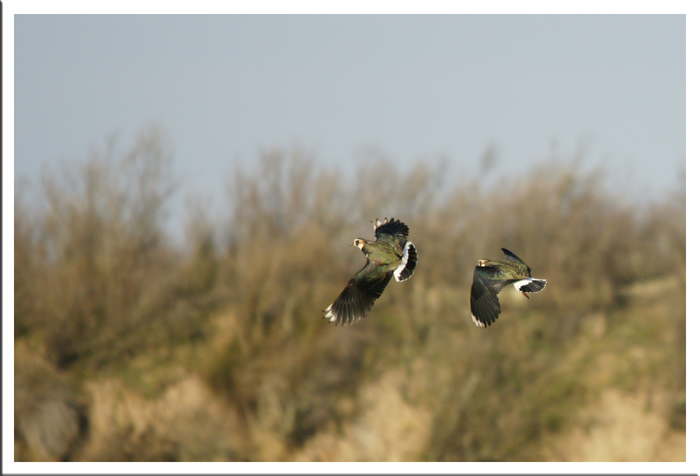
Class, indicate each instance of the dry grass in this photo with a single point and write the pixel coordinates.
(216, 350)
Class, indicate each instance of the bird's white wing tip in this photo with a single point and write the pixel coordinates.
(377, 223)
(330, 314)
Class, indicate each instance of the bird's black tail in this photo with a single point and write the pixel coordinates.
(531, 285)
(408, 263)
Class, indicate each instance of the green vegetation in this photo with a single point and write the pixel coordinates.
(129, 347)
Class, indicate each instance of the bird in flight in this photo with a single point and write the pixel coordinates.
(492, 276)
(391, 254)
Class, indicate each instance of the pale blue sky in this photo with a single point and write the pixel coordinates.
(224, 87)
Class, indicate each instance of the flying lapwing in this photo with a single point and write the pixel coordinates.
(492, 276)
(391, 254)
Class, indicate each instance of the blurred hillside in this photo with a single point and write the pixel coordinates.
(130, 348)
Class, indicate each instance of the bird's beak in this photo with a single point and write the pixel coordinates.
(525, 294)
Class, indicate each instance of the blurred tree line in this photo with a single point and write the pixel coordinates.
(129, 347)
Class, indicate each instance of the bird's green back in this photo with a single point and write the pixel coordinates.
(384, 252)
(517, 266)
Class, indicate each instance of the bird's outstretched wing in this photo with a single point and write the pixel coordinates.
(517, 263)
(484, 295)
(391, 231)
(358, 296)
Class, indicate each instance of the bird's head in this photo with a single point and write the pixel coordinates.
(483, 262)
(360, 243)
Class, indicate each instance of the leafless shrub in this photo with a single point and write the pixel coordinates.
(108, 281)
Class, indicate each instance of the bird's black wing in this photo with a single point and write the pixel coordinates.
(484, 295)
(358, 296)
(391, 231)
(517, 263)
